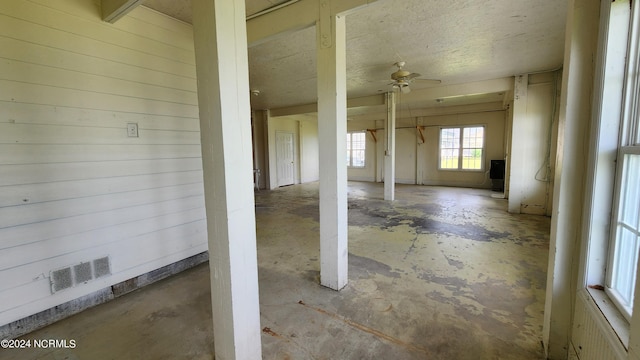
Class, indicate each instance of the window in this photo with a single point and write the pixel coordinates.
(356, 142)
(625, 229)
(624, 236)
(462, 148)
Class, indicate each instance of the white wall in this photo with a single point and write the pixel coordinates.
(533, 150)
(406, 151)
(74, 187)
(260, 155)
(417, 162)
(309, 150)
(494, 122)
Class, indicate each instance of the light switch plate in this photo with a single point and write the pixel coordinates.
(132, 130)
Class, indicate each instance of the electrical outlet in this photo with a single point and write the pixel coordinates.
(132, 130)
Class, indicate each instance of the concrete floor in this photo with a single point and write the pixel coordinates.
(440, 273)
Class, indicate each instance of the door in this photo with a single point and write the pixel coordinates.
(284, 158)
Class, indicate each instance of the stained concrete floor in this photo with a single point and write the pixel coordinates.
(440, 273)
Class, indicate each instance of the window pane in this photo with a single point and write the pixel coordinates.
(348, 149)
(627, 234)
(449, 148)
(449, 158)
(450, 138)
(472, 159)
(630, 192)
(473, 137)
(624, 268)
(358, 158)
(358, 141)
(356, 145)
(472, 143)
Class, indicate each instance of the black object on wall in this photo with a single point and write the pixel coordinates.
(497, 169)
(496, 173)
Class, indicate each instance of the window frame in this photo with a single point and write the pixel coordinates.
(461, 148)
(614, 236)
(350, 149)
(628, 145)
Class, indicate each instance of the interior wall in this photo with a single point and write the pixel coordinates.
(74, 186)
(494, 122)
(570, 174)
(309, 150)
(406, 151)
(533, 151)
(259, 148)
(417, 162)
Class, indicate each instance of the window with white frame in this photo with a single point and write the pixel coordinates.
(625, 221)
(623, 240)
(356, 146)
(461, 148)
(625, 237)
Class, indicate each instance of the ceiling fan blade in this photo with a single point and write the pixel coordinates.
(429, 81)
(412, 76)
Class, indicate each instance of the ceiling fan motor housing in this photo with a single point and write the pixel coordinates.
(400, 74)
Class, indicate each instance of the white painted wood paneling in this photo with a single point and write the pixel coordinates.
(73, 186)
(42, 54)
(62, 153)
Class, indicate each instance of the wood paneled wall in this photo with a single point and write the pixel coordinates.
(73, 185)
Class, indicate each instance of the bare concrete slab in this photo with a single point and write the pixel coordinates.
(439, 273)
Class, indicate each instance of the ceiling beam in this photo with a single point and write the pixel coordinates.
(456, 90)
(373, 104)
(113, 10)
(432, 111)
(296, 16)
(355, 103)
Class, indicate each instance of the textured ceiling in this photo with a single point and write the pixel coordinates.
(456, 41)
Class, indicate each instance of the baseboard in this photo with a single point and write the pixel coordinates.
(47, 317)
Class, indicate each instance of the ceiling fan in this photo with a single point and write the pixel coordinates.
(402, 78)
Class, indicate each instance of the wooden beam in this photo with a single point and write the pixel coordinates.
(113, 10)
(373, 134)
(352, 106)
(294, 17)
(420, 128)
(297, 16)
(432, 111)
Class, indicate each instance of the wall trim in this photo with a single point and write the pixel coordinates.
(47, 317)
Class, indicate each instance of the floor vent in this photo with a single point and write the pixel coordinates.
(83, 272)
(79, 274)
(101, 267)
(61, 279)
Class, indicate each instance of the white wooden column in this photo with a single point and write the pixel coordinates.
(420, 152)
(390, 148)
(225, 126)
(332, 131)
(519, 153)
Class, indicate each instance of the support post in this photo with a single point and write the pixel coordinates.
(390, 149)
(332, 131)
(518, 152)
(225, 128)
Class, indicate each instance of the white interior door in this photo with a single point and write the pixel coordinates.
(284, 158)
